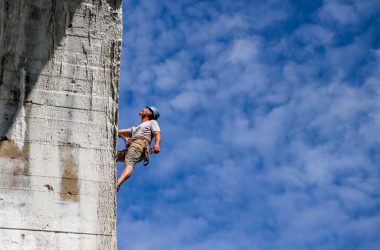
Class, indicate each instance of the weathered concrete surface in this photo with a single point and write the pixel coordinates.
(59, 69)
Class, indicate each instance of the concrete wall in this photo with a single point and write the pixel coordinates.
(59, 69)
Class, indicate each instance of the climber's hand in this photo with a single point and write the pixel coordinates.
(156, 148)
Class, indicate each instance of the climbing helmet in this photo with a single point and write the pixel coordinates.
(155, 111)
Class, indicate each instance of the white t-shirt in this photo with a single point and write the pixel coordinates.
(145, 129)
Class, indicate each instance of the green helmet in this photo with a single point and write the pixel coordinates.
(155, 112)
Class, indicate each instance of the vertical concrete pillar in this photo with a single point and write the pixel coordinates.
(59, 70)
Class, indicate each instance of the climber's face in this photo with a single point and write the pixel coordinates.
(145, 112)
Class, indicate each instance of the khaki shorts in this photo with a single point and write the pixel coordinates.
(132, 157)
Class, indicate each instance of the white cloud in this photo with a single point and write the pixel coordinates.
(343, 13)
(172, 72)
(244, 51)
(348, 12)
(188, 100)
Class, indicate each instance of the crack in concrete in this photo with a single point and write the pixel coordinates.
(54, 231)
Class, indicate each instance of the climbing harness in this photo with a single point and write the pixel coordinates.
(142, 147)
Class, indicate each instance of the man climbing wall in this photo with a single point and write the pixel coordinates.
(139, 139)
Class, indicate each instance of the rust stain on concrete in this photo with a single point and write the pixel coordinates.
(69, 184)
(9, 149)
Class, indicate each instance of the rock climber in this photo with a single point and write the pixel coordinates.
(138, 142)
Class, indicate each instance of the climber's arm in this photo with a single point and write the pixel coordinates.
(124, 132)
(157, 140)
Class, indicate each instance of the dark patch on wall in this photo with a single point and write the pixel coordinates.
(35, 13)
(115, 4)
(49, 187)
(2, 69)
(69, 183)
(30, 31)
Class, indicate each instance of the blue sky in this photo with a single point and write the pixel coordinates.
(270, 124)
